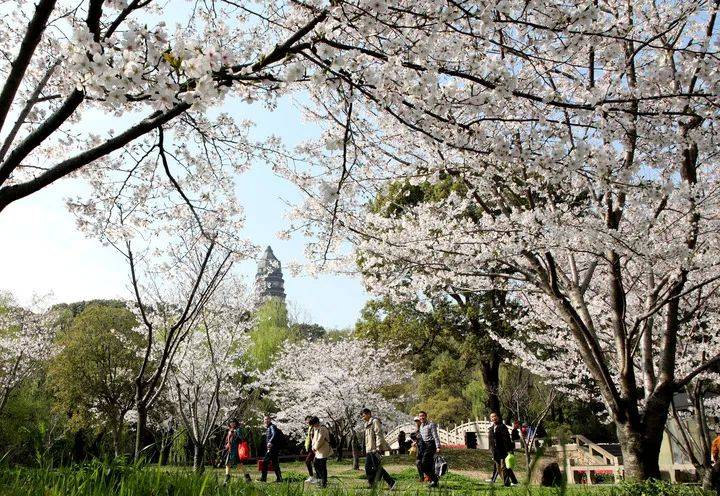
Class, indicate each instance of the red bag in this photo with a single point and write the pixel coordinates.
(244, 451)
(261, 463)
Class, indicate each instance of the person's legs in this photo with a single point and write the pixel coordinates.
(370, 469)
(510, 475)
(230, 462)
(325, 472)
(266, 462)
(246, 475)
(418, 464)
(379, 471)
(276, 464)
(428, 462)
(386, 477)
(502, 472)
(495, 472)
(318, 469)
(309, 462)
(321, 470)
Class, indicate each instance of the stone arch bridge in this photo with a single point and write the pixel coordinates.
(459, 435)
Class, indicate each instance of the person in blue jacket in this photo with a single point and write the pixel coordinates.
(272, 451)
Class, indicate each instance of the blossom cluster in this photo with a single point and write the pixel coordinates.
(334, 380)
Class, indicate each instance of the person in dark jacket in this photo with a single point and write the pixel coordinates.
(419, 448)
(515, 434)
(402, 447)
(500, 445)
(272, 451)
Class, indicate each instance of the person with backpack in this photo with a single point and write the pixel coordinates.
(375, 445)
(431, 440)
(310, 453)
(274, 439)
(322, 448)
(233, 439)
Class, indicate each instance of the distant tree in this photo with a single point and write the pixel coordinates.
(334, 380)
(26, 341)
(28, 422)
(93, 376)
(210, 378)
(422, 330)
(310, 332)
(271, 330)
(527, 400)
(76, 308)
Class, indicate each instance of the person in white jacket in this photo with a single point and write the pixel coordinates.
(322, 449)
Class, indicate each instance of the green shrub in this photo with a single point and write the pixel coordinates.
(655, 488)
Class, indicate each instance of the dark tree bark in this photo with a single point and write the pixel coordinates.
(491, 377)
(141, 428)
(198, 457)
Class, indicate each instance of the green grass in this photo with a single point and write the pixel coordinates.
(460, 459)
(118, 479)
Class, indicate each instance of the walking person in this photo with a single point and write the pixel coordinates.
(272, 451)
(310, 453)
(375, 444)
(419, 448)
(322, 449)
(499, 443)
(233, 438)
(431, 440)
(402, 440)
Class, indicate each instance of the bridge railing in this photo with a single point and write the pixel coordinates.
(456, 435)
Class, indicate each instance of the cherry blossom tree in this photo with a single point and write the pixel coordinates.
(26, 342)
(179, 237)
(67, 65)
(170, 307)
(583, 142)
(334, 380)
(173, 218)
(210, 376)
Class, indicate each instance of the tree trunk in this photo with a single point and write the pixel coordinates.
(340, 447)
(641, 451)
(198, 458)
(491, 377)
(116, 441)
(705, 474)
(355, 451)
(141, 426)
(3, 398)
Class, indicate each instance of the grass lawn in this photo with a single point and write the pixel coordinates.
(468, 471)
(116, 478)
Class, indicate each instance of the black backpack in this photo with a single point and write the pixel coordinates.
(333, 440)
(280, 438)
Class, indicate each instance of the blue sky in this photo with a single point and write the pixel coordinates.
(43, 252)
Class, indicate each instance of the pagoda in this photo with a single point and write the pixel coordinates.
(269, 282)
